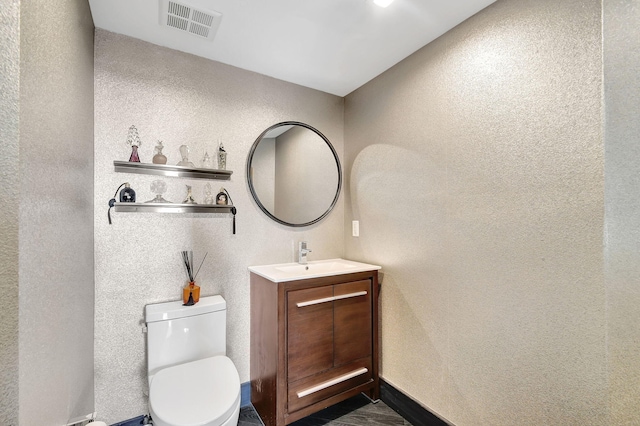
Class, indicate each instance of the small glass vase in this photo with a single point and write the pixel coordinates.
(222, 157)
(133, 140)
(190, 294)
(184, 154)
(206, 161)
(134, 158)
(159, 158)
(208, 196)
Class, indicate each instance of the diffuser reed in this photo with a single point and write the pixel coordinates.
(191, 292)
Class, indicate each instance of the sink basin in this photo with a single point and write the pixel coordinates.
(314, 269)
(337, 265)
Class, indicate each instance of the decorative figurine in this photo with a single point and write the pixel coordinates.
(206, 161)
(184, 153)
(221, 198)
(222, 157)
(208, 198)
(158, 187)
(133, 140)
(127, 195)
(189, 198)
(159, 158)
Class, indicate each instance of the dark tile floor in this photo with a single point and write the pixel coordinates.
(355, 411)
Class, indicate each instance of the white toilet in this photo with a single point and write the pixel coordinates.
(191, 381)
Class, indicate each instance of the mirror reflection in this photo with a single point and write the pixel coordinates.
(294, 174)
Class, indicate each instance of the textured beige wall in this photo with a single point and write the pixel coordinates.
(622, 201)
(9, 159)
(475, 167)
(181, 98)
(56, 211)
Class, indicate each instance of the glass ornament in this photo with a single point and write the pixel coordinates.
(184, 154)
(158, 187)
(159, 157)
(133, 140)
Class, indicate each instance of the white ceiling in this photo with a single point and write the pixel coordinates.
(330, 45)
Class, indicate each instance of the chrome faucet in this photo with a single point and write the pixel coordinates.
(302, 252)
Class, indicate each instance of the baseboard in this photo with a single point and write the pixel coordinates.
(245, 394)
(136, 421)
(408, 408)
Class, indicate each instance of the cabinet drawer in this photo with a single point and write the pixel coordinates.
(320, 386)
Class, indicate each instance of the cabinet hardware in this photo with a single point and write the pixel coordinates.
(332, 382)
(330, 299)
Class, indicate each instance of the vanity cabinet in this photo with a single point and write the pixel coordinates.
(313, 343)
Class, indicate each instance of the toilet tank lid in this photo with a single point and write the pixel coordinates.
(172, 310)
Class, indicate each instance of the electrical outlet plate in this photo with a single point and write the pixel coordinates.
(355, 228)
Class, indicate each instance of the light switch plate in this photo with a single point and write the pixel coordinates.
(355, 228)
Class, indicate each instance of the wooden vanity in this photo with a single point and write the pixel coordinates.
(314, 343)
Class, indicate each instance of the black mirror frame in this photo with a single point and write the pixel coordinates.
(250, 181)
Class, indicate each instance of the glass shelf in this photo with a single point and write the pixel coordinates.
(171, 171)
(170, 208)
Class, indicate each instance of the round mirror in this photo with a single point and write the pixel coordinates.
(294, 174)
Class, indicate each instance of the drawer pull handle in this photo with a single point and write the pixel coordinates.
(331, 382)
(330, 299)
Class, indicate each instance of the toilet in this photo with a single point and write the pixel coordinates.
(191, 380)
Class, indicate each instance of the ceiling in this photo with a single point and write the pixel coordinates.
(330, 45)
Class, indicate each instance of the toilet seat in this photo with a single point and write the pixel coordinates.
(199, 393)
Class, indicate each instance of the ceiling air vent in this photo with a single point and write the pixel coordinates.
(200, 23)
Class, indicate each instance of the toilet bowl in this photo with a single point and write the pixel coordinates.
(191, 380)
(203, 393)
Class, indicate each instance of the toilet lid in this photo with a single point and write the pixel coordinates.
(196, 393)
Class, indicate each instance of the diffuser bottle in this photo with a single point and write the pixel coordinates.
(190, 294)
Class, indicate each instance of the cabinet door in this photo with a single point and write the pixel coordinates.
(352, 322)
(309, 332)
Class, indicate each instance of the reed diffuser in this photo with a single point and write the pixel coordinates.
(191, 292)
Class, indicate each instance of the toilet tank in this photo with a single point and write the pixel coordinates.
(178, 334)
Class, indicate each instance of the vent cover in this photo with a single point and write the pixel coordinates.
(200, 23)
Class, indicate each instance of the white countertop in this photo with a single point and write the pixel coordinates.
(314, 269)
